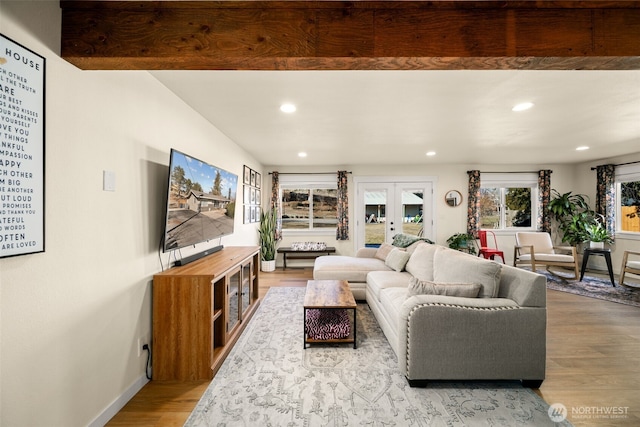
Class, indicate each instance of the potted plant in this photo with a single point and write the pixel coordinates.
(268, 242)
(597, 235)
(462, 242)
(572, 214)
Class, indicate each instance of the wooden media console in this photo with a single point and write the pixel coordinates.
(199, 311)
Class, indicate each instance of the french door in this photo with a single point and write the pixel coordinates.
(386, 208)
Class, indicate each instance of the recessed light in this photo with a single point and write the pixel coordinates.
(522, 106)
(302, 154)
(288, 108)
(431, 153)
(582, 148)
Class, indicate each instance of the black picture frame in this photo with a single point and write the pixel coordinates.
(246, 195)
(253, 178)
(258, 180)
(247, 214)
(23, 231)
(246, 175)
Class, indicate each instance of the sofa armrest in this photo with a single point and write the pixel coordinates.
(366, 252)
(471, 338)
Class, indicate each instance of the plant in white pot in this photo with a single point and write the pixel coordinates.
(597, 235)
(268, 242)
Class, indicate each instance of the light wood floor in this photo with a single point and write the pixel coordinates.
(593, 364)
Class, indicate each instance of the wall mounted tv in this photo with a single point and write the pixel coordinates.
(201, 200)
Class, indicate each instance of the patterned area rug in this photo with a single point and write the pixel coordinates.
(595, 288)
(268, 379)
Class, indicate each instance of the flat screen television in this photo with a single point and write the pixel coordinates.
(201, 200)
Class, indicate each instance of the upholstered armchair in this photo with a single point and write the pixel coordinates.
(628, 266)
(535, 249)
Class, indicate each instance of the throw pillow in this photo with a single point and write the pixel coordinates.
(451, 266)
(397, 259)
(412, 247)
(383, 251)
(420, 263)
(465, 290)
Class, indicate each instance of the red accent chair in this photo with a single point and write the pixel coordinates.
(485, 250)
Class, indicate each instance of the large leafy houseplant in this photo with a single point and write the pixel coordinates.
(573, 214)
(267, 234)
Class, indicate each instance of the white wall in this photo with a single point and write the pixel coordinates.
(71, 316)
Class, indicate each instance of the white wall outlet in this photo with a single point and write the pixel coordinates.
(108, 181)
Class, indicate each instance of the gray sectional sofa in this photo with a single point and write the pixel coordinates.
(449, 315)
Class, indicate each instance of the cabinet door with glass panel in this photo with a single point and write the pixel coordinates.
(246, 291)
(234, 284)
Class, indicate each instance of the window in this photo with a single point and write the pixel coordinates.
(309, 202)
(628, 203)
(508, 201)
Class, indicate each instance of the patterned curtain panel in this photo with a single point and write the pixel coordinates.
(473, 211)
(606, 196)
(543, 222)
(275, 202)
(342, 232)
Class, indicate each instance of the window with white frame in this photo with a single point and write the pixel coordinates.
(309, 202)
(508, 201)
(628, 201)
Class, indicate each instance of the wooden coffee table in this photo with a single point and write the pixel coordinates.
(329, 295)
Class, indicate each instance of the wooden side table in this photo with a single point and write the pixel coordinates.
(606, 253)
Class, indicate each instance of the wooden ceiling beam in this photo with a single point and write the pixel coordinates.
(356, 35)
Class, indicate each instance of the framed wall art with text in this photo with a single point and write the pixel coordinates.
(22, 111)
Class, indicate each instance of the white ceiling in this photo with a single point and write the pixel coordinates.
(395, 117)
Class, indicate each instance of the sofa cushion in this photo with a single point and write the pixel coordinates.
(383, 251)
(456, 267)
(397, 259)
(548, 257)
(378, 280)
(541, 242)
(348, 268)
(420, 263)
(391, 300)
(633, 264)
(421, 287)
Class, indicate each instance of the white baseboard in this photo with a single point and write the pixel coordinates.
(119, 402)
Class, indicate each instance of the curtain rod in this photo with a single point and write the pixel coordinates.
(619, 164)
(510, 171)
(308, 173)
